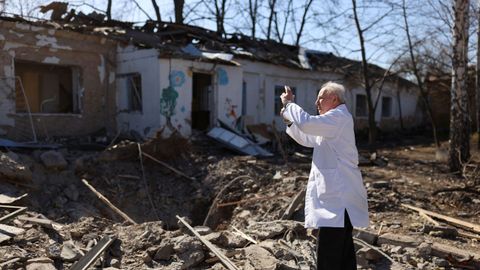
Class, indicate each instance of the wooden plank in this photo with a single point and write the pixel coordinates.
(242, 234)
(42, 222)
(108, 203)
(224, 259)
(93, 254)
(18, 211)
(168, 166)
(471, 226)
(5, 199)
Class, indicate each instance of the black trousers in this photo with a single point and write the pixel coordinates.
(335, 249)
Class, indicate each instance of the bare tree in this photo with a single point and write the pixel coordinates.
(423, 91)
(303, 21)
(179, 4)
(220, 11)
(109, 10)
(157, 10)
(287, 12)
(459, 151)
(477, 76)
(253, 14)
(271, 8)
(372, 127)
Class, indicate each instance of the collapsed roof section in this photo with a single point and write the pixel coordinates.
(197, 43)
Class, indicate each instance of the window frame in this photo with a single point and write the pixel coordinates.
(75, 87)
(390, 110)
(365, 115)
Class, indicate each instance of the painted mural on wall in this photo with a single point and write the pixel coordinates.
(230, 113)
(168, 100)
(222, 76)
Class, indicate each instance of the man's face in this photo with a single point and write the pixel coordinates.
(326, 101)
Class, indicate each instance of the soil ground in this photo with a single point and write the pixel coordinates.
(246, 189)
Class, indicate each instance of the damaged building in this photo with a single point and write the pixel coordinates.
(54, 82)
(78, 74)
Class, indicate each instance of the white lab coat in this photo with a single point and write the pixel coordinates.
(335, 182)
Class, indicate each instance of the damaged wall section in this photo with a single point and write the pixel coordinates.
(176, 94)
(64, 77)
(263, 83)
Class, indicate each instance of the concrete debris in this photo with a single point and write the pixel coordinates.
(13, 169)
(53, 160)
(65, 221)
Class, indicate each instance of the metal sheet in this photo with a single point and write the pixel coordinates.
(237, 142)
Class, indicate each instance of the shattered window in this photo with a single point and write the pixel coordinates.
(46, 88)
(386, 107)
(360, 105)
(134, 92)
(279, 89)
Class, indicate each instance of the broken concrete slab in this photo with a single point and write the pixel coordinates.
(41, 263)
(69, 252)
(7, 232)
(367, 236)
(164, 252)
(398, 240)
(53, 160)
(14, 170)
(259, 258)
(5, 199)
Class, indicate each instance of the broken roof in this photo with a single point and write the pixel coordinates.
(193, 42)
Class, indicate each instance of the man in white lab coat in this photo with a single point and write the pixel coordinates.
(336, 197)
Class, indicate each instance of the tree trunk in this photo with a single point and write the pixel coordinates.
(372, 127)
(109, 10)
(459, 151)
(220, 16)
(271, 5)
(423, 92)
(281, 34)
(478, 76)
(179, 10)
(253, 12)
(302, 23)
(157, 10)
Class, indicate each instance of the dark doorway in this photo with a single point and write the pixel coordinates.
(201, 101)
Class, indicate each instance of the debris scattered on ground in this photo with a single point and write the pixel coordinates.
(237, 212)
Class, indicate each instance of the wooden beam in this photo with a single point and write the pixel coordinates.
(455, 221)
(42, 222)
(18, 211)
(224, 259)
(92, 255)
(108, 203)
(168, 166)
(242, 234)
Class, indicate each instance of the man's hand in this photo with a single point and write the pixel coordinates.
(287, 96)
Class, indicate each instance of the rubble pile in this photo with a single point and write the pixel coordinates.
(237, 206)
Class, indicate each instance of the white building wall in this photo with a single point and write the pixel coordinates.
(227, 91)
(261, 79)
(145, 62)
